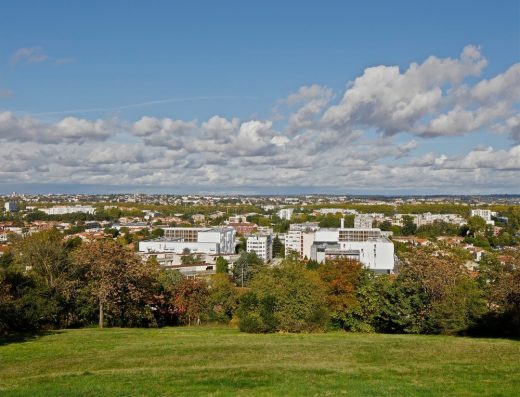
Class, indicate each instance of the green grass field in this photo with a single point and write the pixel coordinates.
(212, 361)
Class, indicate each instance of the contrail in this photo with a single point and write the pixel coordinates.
(141, 104)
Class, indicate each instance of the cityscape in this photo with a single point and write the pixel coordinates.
(262, 198)
(169, 228)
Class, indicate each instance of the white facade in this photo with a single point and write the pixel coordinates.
(262, 245)
(199, 240)
(428, 218)
(62, 210)
(363, 221)
(375, 253)
(286, 213)
(178, 247)
(366, 245)
(300, 238)
(485, 214)
(329, 211)
(11, 206)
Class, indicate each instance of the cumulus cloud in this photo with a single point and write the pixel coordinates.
(372, 137)
(28, 129)
(29, 55)
(312, 100)
(428, 99)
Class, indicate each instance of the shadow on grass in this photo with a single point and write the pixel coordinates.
(25, 337)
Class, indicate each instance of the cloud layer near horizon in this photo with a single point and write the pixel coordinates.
(369, 137)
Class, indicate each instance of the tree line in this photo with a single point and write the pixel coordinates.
(47, 282)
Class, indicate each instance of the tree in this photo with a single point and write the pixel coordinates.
(158, 232)
(341, 278)
(222, 265)
(286, 298)
(120, 282)
(433, 293)
(278, 247)
(44, 255)
(222, 299)
(385, 225)
(500, 281)
(409, 226)
(189, 259)
(246, 266)
(477, 225)
(190, 300)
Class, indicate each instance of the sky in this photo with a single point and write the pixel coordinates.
(260, 97)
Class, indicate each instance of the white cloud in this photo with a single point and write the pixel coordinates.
(29, 55)
(28, 129)
(387, 100)
(312, 100)
(317, 143)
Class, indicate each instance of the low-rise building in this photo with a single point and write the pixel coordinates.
(363, 221)
(367, 246)
(243, 227)
(484, 214)
(198, 240)
(62, 210)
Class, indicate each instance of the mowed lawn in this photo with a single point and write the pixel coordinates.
(213, 361)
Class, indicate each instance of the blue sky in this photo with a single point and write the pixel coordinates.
(242, 60)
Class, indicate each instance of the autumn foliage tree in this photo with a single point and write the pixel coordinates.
(190, 300)
(341, 278)
(122, 285)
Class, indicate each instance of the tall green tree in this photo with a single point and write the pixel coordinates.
(409, 226)
(278, 247)
(222, 265)
(246, 266)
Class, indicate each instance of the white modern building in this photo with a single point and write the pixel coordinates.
(485, 214)
(11, 206)
(428, 218)
(62, 210)
(299, 238)
(363, 221)
(199, 240)
(286, 213)
(262, 245)
(367, 246)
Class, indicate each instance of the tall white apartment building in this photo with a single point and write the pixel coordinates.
(485, 214)
(62, 210)
(299, 238)
(262, 245)
(363, 221)
(286, 213)
(11, 206)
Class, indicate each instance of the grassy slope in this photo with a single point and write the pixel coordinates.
(221, 362)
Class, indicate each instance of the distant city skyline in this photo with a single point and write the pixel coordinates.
(260, 98)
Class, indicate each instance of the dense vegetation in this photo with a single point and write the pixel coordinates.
(47, 282)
